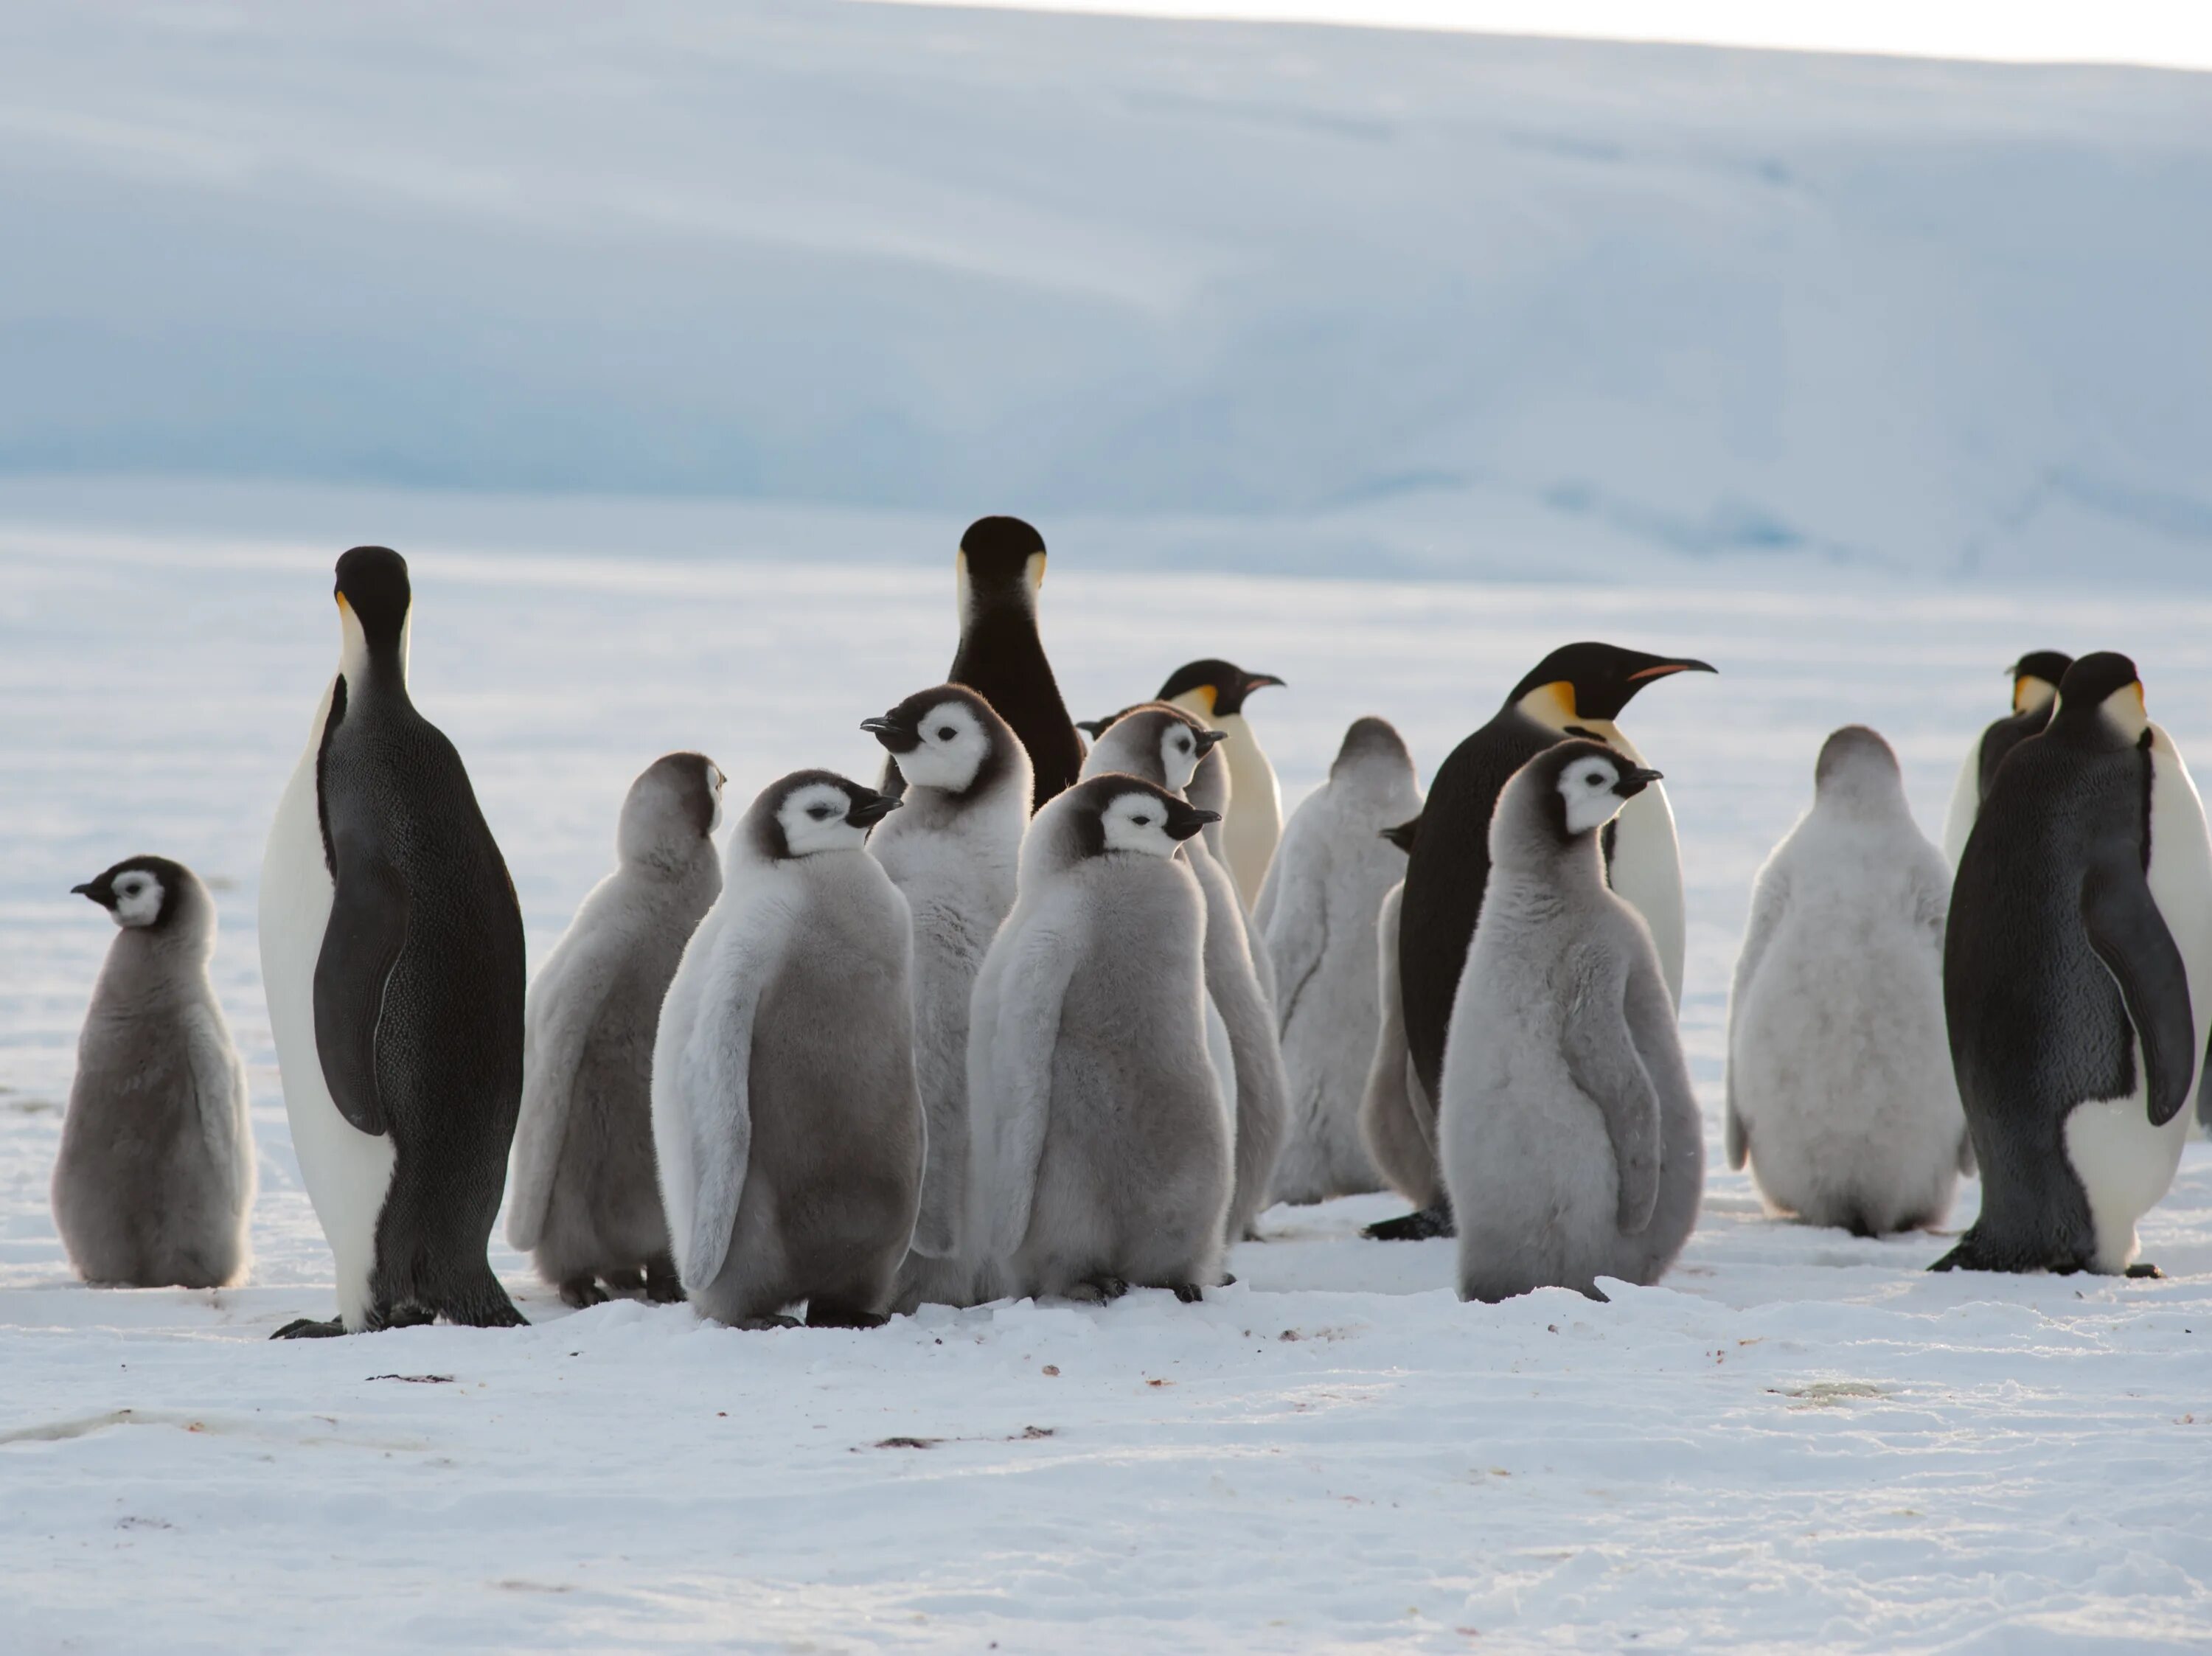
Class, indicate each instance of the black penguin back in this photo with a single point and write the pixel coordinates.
(1002, 659)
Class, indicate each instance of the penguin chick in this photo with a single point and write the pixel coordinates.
(2035, 678)
(2077, 980)
(1318, 915)
(953, 853)
(156, 1177)
(786, 1116)
(1154, 742)
(1397, 1122)
(1103, 1141)
(1572, 1143)
(586, 1200)
(1839, 1088)
(1215, 691)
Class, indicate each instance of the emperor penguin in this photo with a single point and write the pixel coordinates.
(2078, 980)
(1157, 743)
(1103, 1142)
(1572, 1143)
(1214, 691)
(155, 1179)
(1397, 1121)
(784, 1110)
(1839, 1086)
(999, 571)
(585, 1199)
(391, 954)
(2035, 678)
(953, 852)
(1578, 691)
(1318, 913)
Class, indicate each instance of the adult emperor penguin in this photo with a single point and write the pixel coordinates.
(1577, 690)
(1839, 1085)
(1000, 570)
(154, 1181)
(1318, 913)
(2035, 678)
(1167, 747)
(1103, 1156)
(785, 1110)
(391, 954)
(1572, 1143)
(952, 853)
(1215, 692)
(585, 1198)
(2077, 979)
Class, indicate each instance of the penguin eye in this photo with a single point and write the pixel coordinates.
(945, 732)
(819, 813)
(1142, 822)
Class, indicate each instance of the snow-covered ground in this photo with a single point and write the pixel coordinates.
(1800, 1441)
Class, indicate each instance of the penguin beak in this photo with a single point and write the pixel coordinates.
(895, 737)
(872, 809)
(1635, 781)
(1207, 739)
(1661, 670)
(1184, 821)
(1091, 727)
(101, 891)
(1259, 682)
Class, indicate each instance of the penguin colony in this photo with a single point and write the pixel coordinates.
(1037, 1018)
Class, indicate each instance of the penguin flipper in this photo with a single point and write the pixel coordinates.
(1604, 1063)
(367, 930)
(714, 1074)
(1014, 1068)
(2131, 937)
(1739, 1138)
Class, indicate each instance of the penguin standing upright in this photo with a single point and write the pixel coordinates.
(1253, 826)
(155, 1179)
(2035, 678)
(953, 852)
(1572, 1143)
(585, 1199)
(2077, 980)
(1000, 568)
(1318, 913)
(391, 953)
(1577, 690)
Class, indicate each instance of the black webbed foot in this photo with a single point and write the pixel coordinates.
(307, 1328)
(2144, 1268)
(582, 1293)
(829, 1313)
(760, 1324)
(1415, 1227)
(1098, 1291)
(1189, 1293)
(662, 1285)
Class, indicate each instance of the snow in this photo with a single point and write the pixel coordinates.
(1798, 1440)
(1442, 304)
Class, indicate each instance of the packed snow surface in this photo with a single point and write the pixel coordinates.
(1799, 1440)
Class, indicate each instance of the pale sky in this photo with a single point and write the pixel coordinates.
(2176, 33)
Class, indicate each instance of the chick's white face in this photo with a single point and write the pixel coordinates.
(715, 780)
(1137, 822)
(954, 746)
(1587, 787)
(138, 899)
(1179, 755)
(813, 821)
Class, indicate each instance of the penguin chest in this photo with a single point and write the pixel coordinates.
(1646, 868)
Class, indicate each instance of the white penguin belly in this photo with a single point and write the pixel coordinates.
(1647, 866)
(347, 1171)
(1965, 805)
(1223, 1056)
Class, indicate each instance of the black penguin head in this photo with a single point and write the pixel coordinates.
(2035, 679)
(2100, 700)
(810, 812)
(142, 894)
(674, 804)
(1580, 785)
(1218, 687)
(1370, 741)
(373, 591)
(1002, 562)
(946, 737)
(1590, 683)
(1162, 745)
(1115, 814)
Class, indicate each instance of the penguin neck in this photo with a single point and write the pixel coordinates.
(372, 666)
(999, 649)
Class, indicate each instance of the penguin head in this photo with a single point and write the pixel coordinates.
(143, 894)
(2035, 679)
(1370, 741)
(1570, 790)
(1579, 689)
(1857, 769)
(1000, 562)
(672, 807)
(1114, 813)
(2101, 699)
(1160, 743)
(810, 812)
(373, 598)
(948, 738)
(1213, 688)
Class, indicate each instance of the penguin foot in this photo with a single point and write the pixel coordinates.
(830, 1313)
(1417, 1227)
(582, 1293)
(760, 1325)
(405, 1316)
(1189, 1293)
(623, 1281)
(1098, 1291)
(662, 1286)
(2144, 1268)
(307, 1328)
